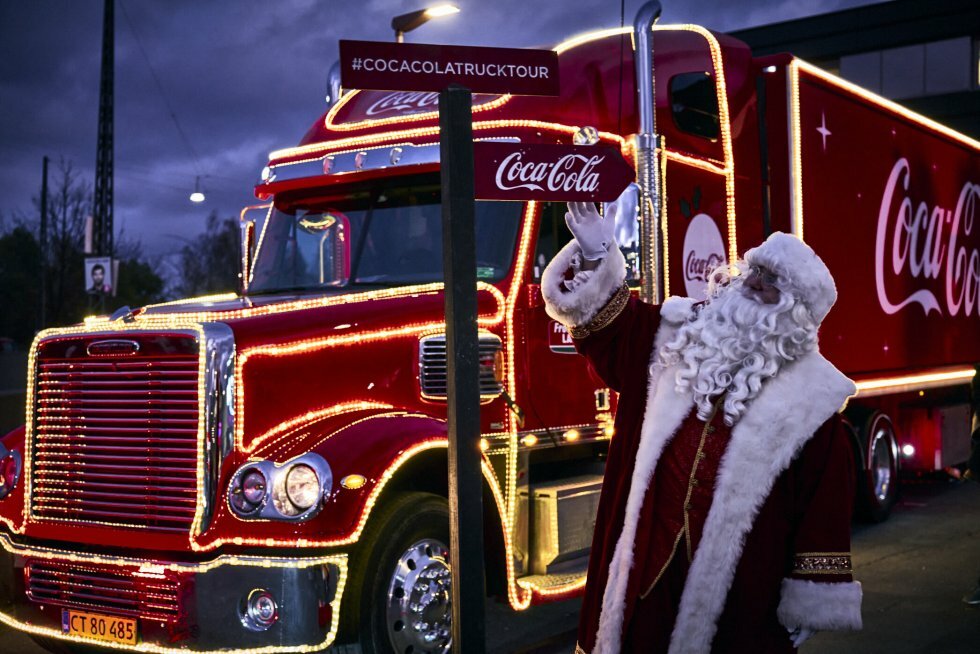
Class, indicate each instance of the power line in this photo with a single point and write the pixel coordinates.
(166, 101)
(130, 170)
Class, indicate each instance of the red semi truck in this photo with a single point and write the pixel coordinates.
(266, 471)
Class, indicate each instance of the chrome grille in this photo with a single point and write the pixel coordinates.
(116, 437)
(433, 372)
(113, 592)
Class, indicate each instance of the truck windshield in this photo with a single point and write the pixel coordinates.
(376, 236)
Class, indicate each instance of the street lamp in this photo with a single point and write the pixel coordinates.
(408, 22)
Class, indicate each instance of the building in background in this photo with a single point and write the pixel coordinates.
(925, 55)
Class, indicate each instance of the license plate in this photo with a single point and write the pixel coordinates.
(101, 627)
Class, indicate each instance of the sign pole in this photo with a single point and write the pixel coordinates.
(462, 355)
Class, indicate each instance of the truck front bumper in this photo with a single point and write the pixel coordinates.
(178, 606)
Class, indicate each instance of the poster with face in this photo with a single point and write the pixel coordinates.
(98, 276)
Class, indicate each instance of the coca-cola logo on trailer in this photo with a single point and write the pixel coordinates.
(704, 250)
(922, 243)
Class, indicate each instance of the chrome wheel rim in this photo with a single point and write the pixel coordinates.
(881, 464)
(419, 613)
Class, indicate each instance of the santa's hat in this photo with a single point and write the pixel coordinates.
(798, 266)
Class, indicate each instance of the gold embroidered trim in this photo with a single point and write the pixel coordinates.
(579, 650)
(686, 529)
(691, 481)
(822, 563)
(605, 315)
(670, 558)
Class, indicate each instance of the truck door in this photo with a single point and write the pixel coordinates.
(564, 393)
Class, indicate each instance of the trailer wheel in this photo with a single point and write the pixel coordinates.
(878, 474)
(400, 579)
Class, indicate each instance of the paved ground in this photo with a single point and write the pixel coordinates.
(914, 568)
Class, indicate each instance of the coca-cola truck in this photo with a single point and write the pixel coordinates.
(266, 471)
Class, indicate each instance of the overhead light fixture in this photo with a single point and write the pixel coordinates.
(410, 21)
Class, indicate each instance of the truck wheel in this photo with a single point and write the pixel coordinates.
(878, 474)
(400, 579)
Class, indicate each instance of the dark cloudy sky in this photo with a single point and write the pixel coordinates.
(242, 77)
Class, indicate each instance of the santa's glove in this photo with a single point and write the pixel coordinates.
(800, 635)
(596, 233)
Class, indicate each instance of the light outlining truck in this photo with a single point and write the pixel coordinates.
(265, 471)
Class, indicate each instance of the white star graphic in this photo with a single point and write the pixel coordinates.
(824, 132)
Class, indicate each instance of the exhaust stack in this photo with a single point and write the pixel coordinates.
(646, 143)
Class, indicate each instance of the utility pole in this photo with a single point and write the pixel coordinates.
(102, 211)
(42, 318)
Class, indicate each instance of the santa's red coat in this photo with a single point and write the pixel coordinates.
(776, 538)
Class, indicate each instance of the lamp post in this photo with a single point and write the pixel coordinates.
(410, 21)
(197, 196)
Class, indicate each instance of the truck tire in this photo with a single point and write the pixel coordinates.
(400, 584)
(877, 482)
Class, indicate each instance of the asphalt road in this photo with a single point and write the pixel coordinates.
(914, 568)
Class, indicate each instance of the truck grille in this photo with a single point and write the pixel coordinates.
(114, 592)
(116, 436)
(433, 372)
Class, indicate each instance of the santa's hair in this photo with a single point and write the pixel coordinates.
(734, 343)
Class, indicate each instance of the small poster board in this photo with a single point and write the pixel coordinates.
(99, 277)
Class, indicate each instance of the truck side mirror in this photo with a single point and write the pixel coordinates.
(248, 247)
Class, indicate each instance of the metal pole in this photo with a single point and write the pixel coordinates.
(462, 353)
(42, 318)
(103, 200)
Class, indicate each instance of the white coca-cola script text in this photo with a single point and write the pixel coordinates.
(927, 243)
(404, 102)
(572, 172)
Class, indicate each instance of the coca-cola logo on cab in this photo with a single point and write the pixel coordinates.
(404, 102)
(928, 245)
(697, 268)
(704, 250)
(571, 172)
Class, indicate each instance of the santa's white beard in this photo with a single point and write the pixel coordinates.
(733, 345)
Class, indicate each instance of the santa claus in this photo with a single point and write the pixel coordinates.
(724, 519)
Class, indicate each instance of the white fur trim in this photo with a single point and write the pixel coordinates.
(772, 431)
(677, 310)
(577, 307)
(819, 605)
(665, 410)
(796, 262)
(763, 443)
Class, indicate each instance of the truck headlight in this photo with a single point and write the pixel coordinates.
(248, 491)
(9, 472)
(289, 491)
(302, 486)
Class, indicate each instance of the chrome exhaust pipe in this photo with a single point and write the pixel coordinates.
(646, 142)
(333, 84)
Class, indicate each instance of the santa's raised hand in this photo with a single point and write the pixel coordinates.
(595, 233)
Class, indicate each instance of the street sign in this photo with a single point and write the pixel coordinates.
(456, 72)
(546, 172)
(424, 67)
